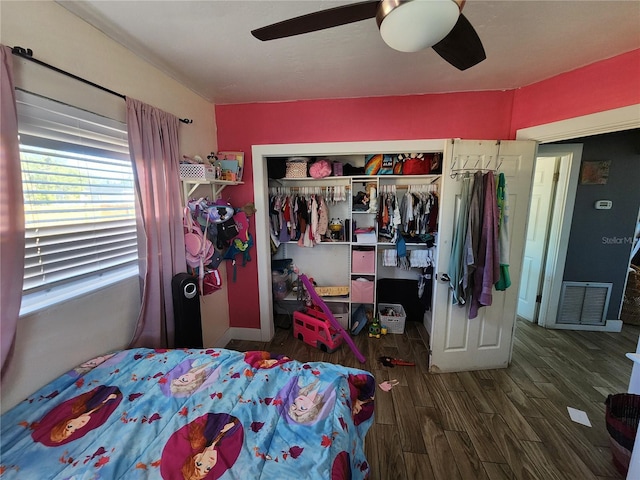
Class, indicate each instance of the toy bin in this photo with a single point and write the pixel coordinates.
(363, 261)
(392, 316)
(362, 290)
(340, 312)
(281, 278)
(281, 284)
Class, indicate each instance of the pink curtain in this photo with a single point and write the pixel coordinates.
(11, 211)
(153, 143)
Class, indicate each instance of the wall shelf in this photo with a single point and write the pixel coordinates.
(189, 185)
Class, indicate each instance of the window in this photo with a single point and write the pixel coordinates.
(79, 201)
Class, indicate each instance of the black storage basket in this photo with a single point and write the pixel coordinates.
(622, 416)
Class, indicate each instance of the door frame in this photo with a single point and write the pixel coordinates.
(259, 155)
(615, 120)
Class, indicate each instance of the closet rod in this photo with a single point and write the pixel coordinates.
(27, 54)
(297, 189)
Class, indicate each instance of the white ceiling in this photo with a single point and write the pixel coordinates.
(207, 46)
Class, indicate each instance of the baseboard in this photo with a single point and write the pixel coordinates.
(223, 341)
(240, 333)
(614, 325)
(609, 326)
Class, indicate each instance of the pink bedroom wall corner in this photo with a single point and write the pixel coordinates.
(600, 86)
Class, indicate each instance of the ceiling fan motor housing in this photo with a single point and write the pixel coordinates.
(413, 25)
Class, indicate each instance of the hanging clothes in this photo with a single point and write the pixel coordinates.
(487, 262)
(474, 231)
(425, 287)
(504, 241)
(390, 257)
(313, 218)
(457, 261)
(433, 213)
(323, 218)
(303, 216)
(401, 248)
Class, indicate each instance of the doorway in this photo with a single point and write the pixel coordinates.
(545, 177)
(550, 211)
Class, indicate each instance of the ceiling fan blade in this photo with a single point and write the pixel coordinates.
(462, 47)
(312, 22)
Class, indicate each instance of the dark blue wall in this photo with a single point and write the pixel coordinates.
(600, 240)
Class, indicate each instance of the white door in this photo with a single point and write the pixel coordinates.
(568, 157)
(458, 343)
(537, 228)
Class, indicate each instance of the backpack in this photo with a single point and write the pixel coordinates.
(199, 250)
(238, 246)
(227, 225)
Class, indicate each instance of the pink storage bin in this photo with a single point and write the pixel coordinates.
(362, 291)
(363, 261)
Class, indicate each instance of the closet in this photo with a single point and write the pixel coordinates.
(456, 342)
(354, 259)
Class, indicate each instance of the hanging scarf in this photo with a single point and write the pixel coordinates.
(504, 281)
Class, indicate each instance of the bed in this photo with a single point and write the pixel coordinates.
(192, 414)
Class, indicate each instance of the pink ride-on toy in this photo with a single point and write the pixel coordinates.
(329, 318)
(312, 327)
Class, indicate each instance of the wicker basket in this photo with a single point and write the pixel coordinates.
(631, 301)
(622, 415)
(197, 171)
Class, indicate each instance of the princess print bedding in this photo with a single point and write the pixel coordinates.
(192, 414)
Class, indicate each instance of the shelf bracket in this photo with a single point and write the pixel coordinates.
(190, 186)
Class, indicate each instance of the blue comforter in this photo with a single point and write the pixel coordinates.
(192, 414)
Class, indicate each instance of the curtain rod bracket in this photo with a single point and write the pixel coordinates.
(25, 52)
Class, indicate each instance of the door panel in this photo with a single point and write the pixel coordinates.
(458, 343)
(537, 228)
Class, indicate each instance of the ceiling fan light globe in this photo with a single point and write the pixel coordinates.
(414, 25)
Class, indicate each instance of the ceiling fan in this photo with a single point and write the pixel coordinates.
(405, 25)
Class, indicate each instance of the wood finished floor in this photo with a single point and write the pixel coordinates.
(491, 424)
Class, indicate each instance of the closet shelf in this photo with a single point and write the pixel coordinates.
(293, 296)
(358, 178)
(295, 242)
(407, 244)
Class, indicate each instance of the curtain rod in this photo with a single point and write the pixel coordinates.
(27, 54)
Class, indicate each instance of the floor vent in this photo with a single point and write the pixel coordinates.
(584, 303)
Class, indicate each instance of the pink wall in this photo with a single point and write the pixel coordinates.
(474, 115)
(601, 86)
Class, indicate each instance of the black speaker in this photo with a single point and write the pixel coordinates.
(186, 311)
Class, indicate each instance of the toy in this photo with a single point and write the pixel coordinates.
(318, 301)
(376, 330)
(391, 362)
(361, 317)
(387, 385)
(312, 327)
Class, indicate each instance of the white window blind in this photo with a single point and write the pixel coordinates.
(78, 194)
